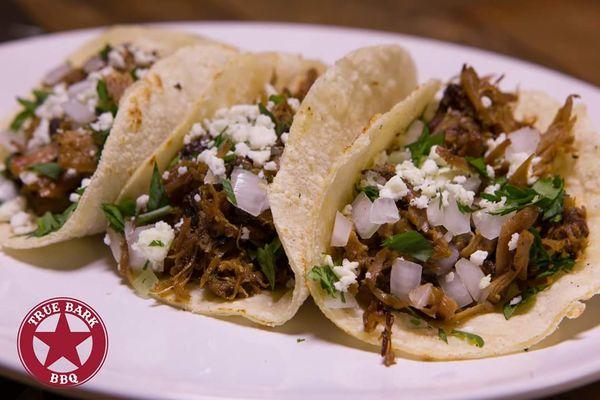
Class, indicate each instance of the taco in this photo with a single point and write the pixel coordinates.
(192, 228)
(89, 124)
(454, 228)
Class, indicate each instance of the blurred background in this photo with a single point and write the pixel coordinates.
(563, 35)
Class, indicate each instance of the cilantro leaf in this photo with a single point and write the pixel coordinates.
(154, 215)
(281, 126)
(105, 101)
(371, 191)
(471, 338)
(267, 257)
(156, 243)
(479, 164)
(104, 52)
(420, 149)
(411, 243)
(442, 335)
(158, 196)
(51, 170)
(465, 209)
(115, 213)
(526, 298)
(49, 222)
(326, 277)
(277, 98)
(229, 191)
(29, 108)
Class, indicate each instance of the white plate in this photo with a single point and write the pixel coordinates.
(159, 352)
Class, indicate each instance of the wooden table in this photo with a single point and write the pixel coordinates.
(564, 35)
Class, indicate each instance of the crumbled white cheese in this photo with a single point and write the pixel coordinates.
(52, 107)
(142, 57)
(141, 202)
(516, 300)
(478, 257)
(245, 233)
(270, 166)
(74, 197)
(8, 189)
(179, 223)
(140, 73)
(116, 58)
(103, 123)
(490, 171)
(22, 223)
(327, 260)
(161, 235)
(196, 132)
(459, 179)
(182, 170)
(85, 182)
(430, 167)
(485, 281)
(449, 277)
(166, 175)
(70, 172)
(11, 207)
(346, 274)
(28, 177)
(394, 189)
(41, 135)
(368, 275)
(512, 243)
(293, 103)
(284, 137)
(420, 202)
(347, 211)
(215, 164)
(106, 239)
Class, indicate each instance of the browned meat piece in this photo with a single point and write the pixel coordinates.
(522, 220)
(117, 83)
(497, 152)
(463, 136)
(45, 154)
(231, 279)
(306, 83)
(78, 151)
(521, 259)
(477, 242)
(374, 315)
(454, 160)
(571, 234)
(355, 250)
(519, 177)
(558, 138)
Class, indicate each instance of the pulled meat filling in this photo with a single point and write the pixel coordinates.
(221, 241)
(58, 137)
(540, 231)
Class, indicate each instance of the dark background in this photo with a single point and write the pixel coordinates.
(560, 34)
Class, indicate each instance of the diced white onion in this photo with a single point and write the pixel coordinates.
(489, 225)
(361, 208)
(384, 211)
(80, 87)
(523, 140)
(250, 192)
(419, 296)
(78, 112)
(136, 260)
(455, 289)
(471, 276)
(57, 74)
(404, 277)
(341, 230)
(450, 217)
(93, 64)
(115, 243)
(447, 263)
(337, 303)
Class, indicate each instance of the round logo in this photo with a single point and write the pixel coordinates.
(62, 342)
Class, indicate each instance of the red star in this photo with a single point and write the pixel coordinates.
(62, 342)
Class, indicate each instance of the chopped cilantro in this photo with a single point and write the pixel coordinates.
(471, 338)
(280, 126)
(104, 52)
(158, 196)
(156, 243)
(51, 170)
(100, 137)
(479, 164)
(526, 298)
(300, 340)
(115, 213)
(229, 191)
(277, 98)
(29, 108)
(372, 192)
(442, 335)
(420, 149)
(326, 277)
(105, 102)
(411, 243)
(228, 158)
(153, 215)
(49, 222)
(465, 209)
(267, 257)
(174, 162)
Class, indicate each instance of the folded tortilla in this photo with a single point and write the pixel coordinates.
(148, 111)
(335, 186)
(242, 81)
